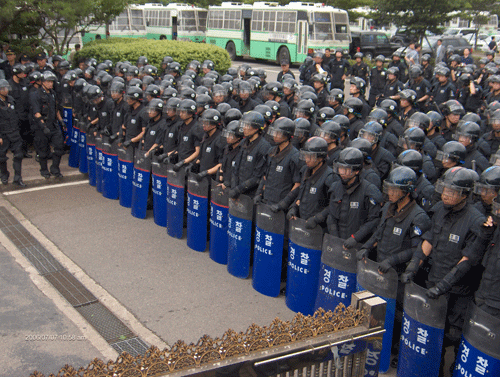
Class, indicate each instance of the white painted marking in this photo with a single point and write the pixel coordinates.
(8, 193)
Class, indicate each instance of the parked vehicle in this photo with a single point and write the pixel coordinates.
(371, 44)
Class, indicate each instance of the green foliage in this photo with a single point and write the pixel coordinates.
(121, 49)
(418, 15)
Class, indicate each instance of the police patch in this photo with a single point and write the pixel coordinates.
(208, 150)
(249, 158)
(185, 138)
(118, 114)
(417, 231)
(372, 201)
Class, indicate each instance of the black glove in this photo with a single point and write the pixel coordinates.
(407, 277)
(384, 266)
(173, 158)
(201, 175)
(311, 223)
(127, 143)
(178, 166)
(113, 138)
(257, 199)
(292, 212)
(350, 243)
(434, 292)
(362, 254)
(195, 168)
(234, 193)
(46, 131)
(158, 151)
(163, 157)
(278, 207)
(106, 132)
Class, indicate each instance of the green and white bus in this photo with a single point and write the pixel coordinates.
(175, 21)
(276, 32)
(156, 21)
(128, 24)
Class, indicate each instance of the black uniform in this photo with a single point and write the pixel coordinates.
(135, 120)
(378, 78)
(425, 193)
(392, 89)
(394, 127)
(313, 190)
(472, 154)
(488, 295)
(382, 159)
(281, 174)
(360, 70)
(171, 135)
(20, 94)
(443, 93)
(354, 211)
(44, 102)
(401, 65)
(211, 150)
(454, 234)
(11, 139)
(188, 138)
(337, 69)
(228, 161)
(154, 133)
(250, 165)
(118, 113)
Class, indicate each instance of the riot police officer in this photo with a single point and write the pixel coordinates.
(332, 133)
(452, 111)
(316, 179)
(424, 190)
(233, 133)
(10, 138)
(388, 140)
(135, 121)
(212, 147)
(381, 157)
(487, 190)
(393, 125)
(467, 134)
(335, 100)
(420, 86)
(357, 90)
(393, 85)
(445, 90)
(360, 68)
(353, 108)
(398, 234)
(378, 77)
(189, 136)
(47, 130)
(250, 163)
(319, 81)
(354, 206)
(369, 170)
(155, 128)
(278, 186)
(19, 91)
(456, 245)
(406, 99)
(414, 138)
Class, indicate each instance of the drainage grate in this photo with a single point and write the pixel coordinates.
(134, 346)
(105, 322)
(101, 318)
(70, 288)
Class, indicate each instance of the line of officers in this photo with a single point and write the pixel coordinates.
(415, 191)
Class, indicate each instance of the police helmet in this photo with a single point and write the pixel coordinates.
(413, 138)
(452, 150)
(401, 177)
(153, 91)
(419, 120)
(266, 112)
(390, 106)
(302, 128)
(231, 114)
(188, 105)
(489, 180)
(211, 116)
(282, 126)
(234, 129)
(173, 104)
(458, 179)
(304, 107)
(351, 158)
(49, 76)
(336, 95)
(223, 108)
(371, 131)
(470, 130)
(157, 105)
(204, 101)
(354, 106)
(253, 119)
(408, 95)
(452, 107)
(314, 147)
(329, 129)
(325, 113)
(169, 93)
(378, 115)
(343, 121)
(410, 158)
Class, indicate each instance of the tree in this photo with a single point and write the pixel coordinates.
(351, 7)
(418, 16)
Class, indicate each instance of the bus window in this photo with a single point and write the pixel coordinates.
(257, 20)
(188, 20)
(202, 20)
(341, 30)
(269, 20)
(285, 22)
(322, 26)
(121, 22)
(137, 20)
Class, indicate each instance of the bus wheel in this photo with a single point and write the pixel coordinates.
(231, 50)
(283, 54)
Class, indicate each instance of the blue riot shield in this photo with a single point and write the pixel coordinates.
(337, 276)
(479, 352)
(159, 171)
(219, 211)
(304, 260)
(197, 213)
(109, 169)
(125, 173)
(384, 286)
(140, 184)
(67, 117)
(74, 135)
(268, 250)
(239, 232)
(83, 165)
(91, 158)
(422, 333)
(98, 163)
(175, 201)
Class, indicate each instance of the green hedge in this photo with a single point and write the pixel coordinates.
(121, 49)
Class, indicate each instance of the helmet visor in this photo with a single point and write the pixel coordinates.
(307, 155)
(450, 190)
(485, 189)
(371, 137)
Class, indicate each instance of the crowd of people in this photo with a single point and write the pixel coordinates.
(426, 136)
